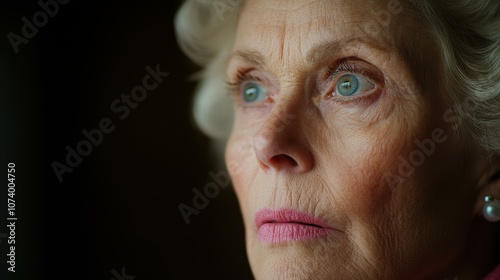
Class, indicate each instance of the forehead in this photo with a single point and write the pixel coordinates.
(289, 27)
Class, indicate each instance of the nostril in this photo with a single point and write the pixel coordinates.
(282, 152)
(283, 160)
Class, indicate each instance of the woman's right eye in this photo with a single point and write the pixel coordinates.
(253, 92)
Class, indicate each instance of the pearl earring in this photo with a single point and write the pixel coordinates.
(491, 210)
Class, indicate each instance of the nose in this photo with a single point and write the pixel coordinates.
(281, 144)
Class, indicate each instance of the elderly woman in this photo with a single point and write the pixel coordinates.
(364, 140)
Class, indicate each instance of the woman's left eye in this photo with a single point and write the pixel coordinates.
(352, 85)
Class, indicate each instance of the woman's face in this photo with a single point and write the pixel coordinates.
(344, 165)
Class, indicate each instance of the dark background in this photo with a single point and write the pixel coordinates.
(119, 207)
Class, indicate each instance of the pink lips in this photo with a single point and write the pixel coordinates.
(288, 225)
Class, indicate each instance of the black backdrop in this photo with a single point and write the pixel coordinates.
(118, 208)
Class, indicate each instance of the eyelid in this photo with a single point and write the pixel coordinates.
(233, 85)
(349, 66)
(235, 88)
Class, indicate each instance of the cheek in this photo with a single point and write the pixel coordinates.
(359, 170)
(389, 187)
(364, 146)
(363, 150)
(356, 163)
(239, 156)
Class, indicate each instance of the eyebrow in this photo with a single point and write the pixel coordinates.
(317, 52)
(252, 57)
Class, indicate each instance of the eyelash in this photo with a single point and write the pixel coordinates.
(344, 66)
(347, 66)
(241, 77)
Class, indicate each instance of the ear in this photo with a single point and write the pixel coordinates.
(489, 184)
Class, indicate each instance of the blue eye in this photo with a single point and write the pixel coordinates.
(253, 92)
(350, 85)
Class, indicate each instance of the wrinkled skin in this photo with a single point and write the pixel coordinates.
(306, 147)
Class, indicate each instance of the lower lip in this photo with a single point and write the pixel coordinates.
(283, 232)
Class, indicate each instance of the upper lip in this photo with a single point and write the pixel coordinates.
(288, 216)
